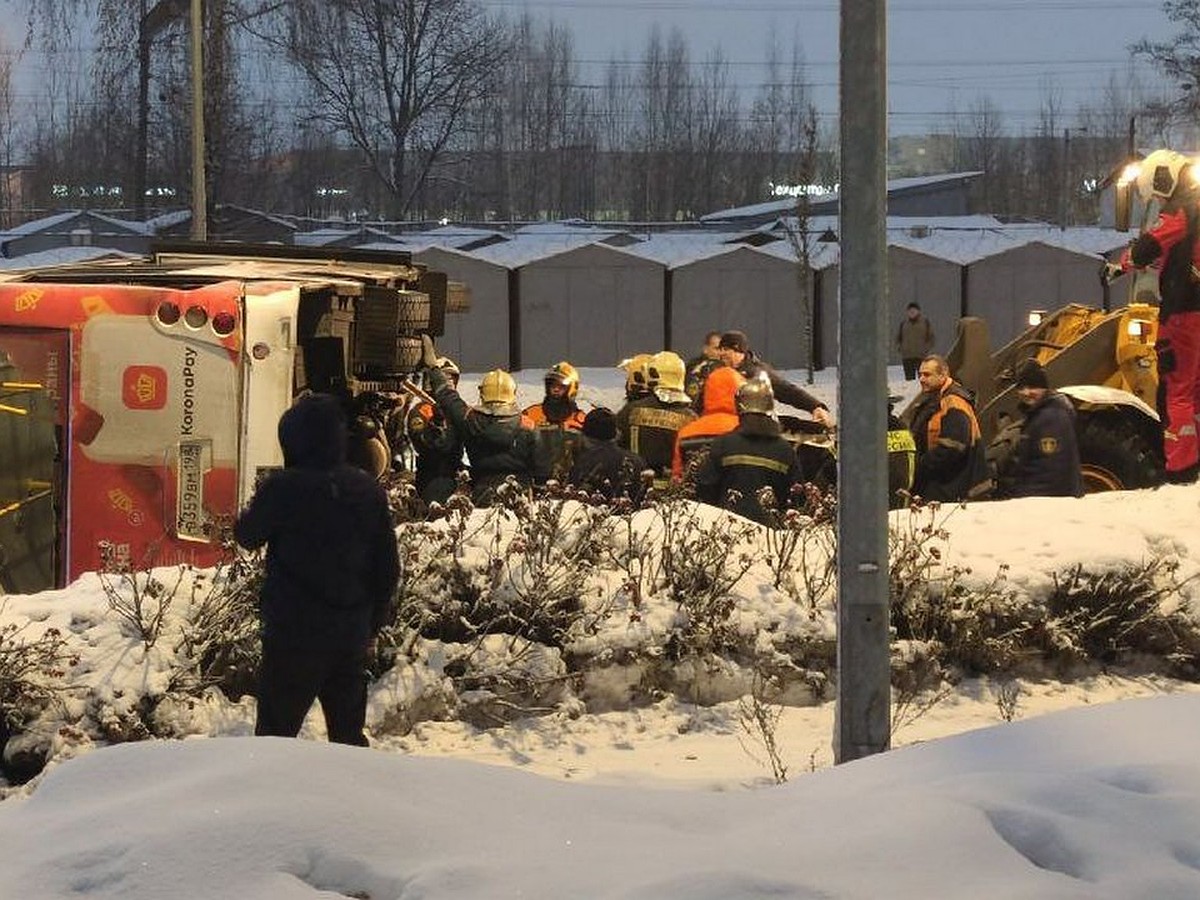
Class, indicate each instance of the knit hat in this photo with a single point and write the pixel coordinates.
(1031, 374)
(600, 424)
(735, 340)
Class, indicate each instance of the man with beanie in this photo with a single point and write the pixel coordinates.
(736, 352)
(750, 460)
(331, 571)
(601, 465)
(1046, 460)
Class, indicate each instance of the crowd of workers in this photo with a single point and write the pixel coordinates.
(712, 424)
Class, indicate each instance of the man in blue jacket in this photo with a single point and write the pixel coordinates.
(331, 572)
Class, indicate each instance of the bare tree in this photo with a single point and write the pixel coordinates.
(799, 229)
(8, 131)
(397, 77)
(1178, 59)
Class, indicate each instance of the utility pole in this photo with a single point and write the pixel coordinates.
(863, 715)
(199, 189)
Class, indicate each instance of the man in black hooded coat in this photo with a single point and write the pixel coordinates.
(331, 571)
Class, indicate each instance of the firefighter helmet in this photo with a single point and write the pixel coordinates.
(1160, 174)
(637, 379)
(498, 393)
(756, 396)
(666, 371)
(563, 373)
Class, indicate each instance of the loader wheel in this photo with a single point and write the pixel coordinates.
(1115, 456)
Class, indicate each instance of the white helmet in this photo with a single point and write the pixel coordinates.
(1160, 174)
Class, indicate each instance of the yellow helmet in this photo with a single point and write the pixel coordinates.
(563, 373)
(498, 393)
(637, 378)
(666, 370)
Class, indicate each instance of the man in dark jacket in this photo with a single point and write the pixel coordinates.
(1046, 460)
(698, 368)
(750, 459)
(499, 441)
(736, 352)
(950, 460)
(914, 339)
(331, 572)
(601, 465)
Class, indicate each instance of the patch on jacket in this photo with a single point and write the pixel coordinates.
(1048, 446)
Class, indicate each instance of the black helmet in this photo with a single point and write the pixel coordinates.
(756, 396)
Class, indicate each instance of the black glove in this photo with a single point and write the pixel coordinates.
(429, 355)
(1110, 272)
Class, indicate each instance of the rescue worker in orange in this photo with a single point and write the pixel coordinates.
(950, 460)
(437, 444)
(557, 422)
(720, 417)
(1171, 246)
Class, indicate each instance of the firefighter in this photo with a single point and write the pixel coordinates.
(736, 352)
(950, 460)
(720, 416)
(1170, 244)
(499, 441)
(437, 444)
(750, 460)
(648, 425)
(698, 368)
(557, 422)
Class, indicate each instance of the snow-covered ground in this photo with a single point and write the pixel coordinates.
(1081, 796)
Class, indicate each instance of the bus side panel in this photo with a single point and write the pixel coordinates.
(153, 428)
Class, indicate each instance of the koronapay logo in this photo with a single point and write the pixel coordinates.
(144, 387)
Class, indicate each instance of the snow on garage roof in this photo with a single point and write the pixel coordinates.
(61, 256)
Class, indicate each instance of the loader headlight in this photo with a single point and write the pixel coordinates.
(1139, 329)
(1129, 174)
(1036, 316)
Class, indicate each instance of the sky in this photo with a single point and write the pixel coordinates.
(1092, 791)
(942, 54)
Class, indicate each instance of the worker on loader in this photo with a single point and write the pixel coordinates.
(950, 461)
(736, 352)
(752, 459)
(498, 439)
(437, 444)
(1171, 245)
(557, 422)
(648, 425)
(720, 417)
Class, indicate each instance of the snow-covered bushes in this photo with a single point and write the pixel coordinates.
(566, 603)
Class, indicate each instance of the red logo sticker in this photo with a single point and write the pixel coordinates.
(144, 387)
